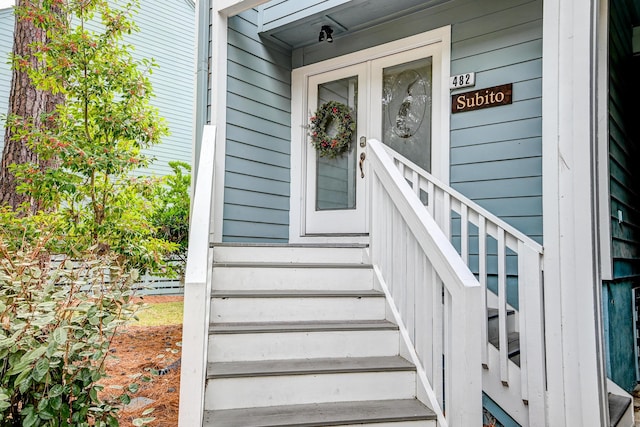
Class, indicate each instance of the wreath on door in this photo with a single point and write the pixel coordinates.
(336, 116)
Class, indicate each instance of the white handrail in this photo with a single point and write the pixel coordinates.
(527, 381)
(410, 171)
(434, 294)
(197, 290)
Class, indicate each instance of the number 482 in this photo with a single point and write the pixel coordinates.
(462, 80)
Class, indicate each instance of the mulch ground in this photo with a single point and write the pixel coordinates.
(140, 351)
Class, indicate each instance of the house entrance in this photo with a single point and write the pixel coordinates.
(391, 98)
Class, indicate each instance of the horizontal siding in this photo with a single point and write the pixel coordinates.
(624, 189)
(496, 153)
(624, 184)
(6, 46)
(257, 176)
(167, 34)
(469, 18)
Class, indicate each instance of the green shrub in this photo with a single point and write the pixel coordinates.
(97, 135)
(58, 318)
(57, 322)
(171, 214)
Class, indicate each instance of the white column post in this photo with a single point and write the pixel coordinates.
(222, 10)
(218, 85)
(575, 367)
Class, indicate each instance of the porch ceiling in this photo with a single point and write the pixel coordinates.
(302, 29)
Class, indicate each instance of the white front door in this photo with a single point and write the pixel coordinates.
(335, 199)
(396, 93)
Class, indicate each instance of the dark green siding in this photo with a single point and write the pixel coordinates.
(624, 190)
(256, 201)
(620, 340)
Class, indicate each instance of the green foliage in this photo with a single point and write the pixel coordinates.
(56, 325)
(96, 136)
(57, 319)
(171, 215)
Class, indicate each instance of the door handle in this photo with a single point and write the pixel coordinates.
(362, 157)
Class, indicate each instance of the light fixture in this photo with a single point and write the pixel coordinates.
(326, 34)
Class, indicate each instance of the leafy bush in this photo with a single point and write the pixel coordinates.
(171, 214)
(58, 319)
(57, 323)
(96, 136)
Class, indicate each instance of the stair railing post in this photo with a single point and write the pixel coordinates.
(532, 353)
(197, 290)
(466, 377)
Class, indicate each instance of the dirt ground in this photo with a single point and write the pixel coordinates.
(141, 351)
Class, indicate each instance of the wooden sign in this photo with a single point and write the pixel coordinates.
(483, 98)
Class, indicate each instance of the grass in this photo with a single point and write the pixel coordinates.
(160, 314)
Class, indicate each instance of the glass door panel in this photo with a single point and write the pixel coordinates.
(336, 177)
(406, 110)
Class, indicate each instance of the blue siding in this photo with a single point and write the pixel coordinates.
(167, 34)
(496, 153)
(6, 46)
(256, 200)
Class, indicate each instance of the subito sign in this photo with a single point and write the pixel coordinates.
(482, 98)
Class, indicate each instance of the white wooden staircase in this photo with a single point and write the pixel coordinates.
(304, 342)
(398, 332)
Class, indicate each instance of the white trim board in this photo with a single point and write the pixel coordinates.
(576, 375)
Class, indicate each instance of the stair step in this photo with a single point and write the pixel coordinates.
(270, 327)
(290, 253)
(308, 366)
(326, 414)
(617, 407)
(298, 340)
(289, 305)
(513, 349)
(294, 276)
(232, 385)
(492, 313)
(304, 293)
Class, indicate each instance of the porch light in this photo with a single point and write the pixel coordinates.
(325, 34)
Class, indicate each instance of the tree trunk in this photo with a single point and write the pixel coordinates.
(29, 103)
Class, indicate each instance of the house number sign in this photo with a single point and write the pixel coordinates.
(462, 80)
(482, 98)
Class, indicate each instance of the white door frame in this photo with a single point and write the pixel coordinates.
(299, 120)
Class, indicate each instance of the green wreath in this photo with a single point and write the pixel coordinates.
(330, 113)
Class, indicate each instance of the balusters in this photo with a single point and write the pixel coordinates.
(431, 198)
(482, 278)
(502, 308)
(464, 233)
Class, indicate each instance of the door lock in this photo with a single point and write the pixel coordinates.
(363, 141)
